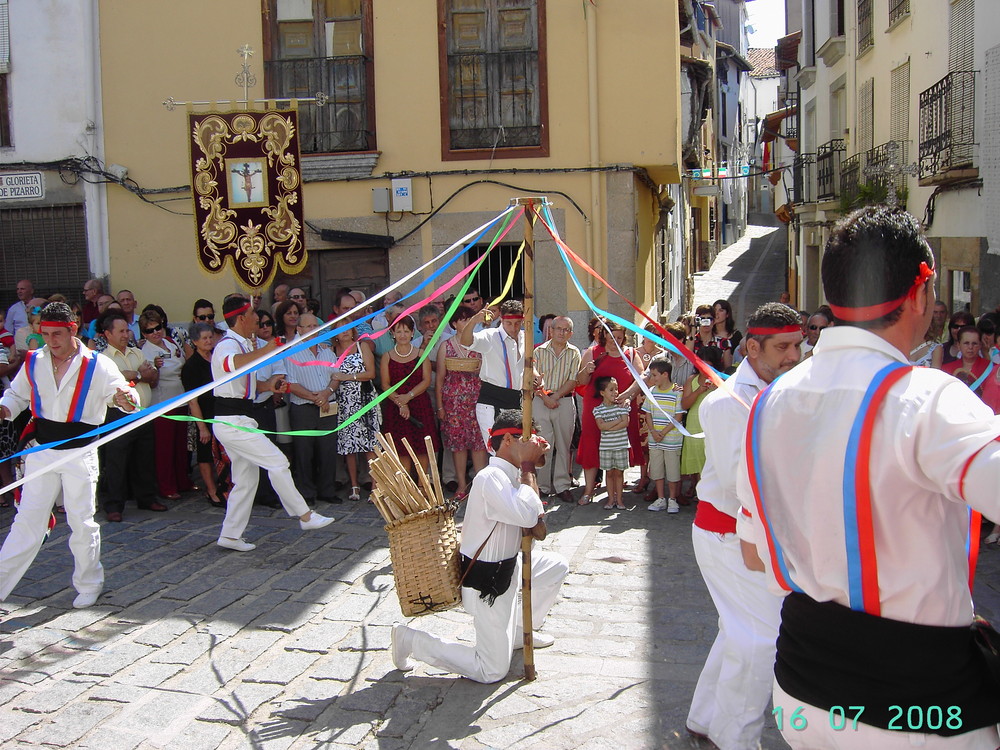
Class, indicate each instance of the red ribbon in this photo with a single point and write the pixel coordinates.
(761, 331)
(874, 312)
(237, 311)
(55, 324)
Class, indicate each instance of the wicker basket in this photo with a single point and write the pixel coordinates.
(462, 364)
(423, 548)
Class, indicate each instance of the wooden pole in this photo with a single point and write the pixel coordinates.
(527, 397)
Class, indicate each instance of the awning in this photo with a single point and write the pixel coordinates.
(786, 51)
(772, 123)
(724, 51)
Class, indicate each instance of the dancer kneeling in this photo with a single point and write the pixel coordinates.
(503, 504)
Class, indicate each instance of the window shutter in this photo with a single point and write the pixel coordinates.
(962, 36)
(4, 38)
(899, 95)
(866, 115)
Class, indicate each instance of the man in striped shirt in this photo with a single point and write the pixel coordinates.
(558, 364)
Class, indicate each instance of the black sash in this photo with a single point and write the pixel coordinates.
(829, 655)
(490, 579)
(234, 407)
(498, 396)
(48, 431)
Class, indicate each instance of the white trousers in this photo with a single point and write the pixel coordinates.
(817, 732)
(248, 451)
(77, 481)
(497, 626)
(732, 692)
(556, 426)
(486, 416)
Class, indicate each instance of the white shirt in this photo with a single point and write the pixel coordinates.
(724, 420)
(276, 367)
(169, 384)
(223, 363)
(491, 343)
(17, 317)
(313, 377)
(497, 498)
(928, 427)
(56, 402)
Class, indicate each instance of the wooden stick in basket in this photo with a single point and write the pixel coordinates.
(435, 476)
(428, 497)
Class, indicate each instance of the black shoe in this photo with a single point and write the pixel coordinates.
(338, 485)
(367, 486)
(451, 486)
(155, 507)
(333, 500)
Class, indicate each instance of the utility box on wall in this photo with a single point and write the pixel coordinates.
(402, 194)
(380, 200)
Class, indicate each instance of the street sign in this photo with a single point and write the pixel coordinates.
(708, 190)
(695, 174)
(28, 186)
(744, 170)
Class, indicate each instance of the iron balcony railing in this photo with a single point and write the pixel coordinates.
(898, 9)
(948, 124)
(865, 177)
(828, 176)
(342, 124)
(803, 176)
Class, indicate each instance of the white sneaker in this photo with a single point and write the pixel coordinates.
(659, 504)
(316, 521)
(83, 601)
(402, 645)
(672, 506)
(538, 640)
(237, 544)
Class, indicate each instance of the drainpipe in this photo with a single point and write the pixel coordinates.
(594, 240)
(95, 195)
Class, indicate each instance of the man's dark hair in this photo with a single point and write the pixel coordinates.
(662, 365)
(341, 293)
(233, 303)
(771, 315)
(512, 307)
(713, 356)
(505, 419)
(107, 321)
(58, 312)
(201, 303)
(873, 257)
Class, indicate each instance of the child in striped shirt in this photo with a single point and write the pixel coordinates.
(612, 421)
(665, 440)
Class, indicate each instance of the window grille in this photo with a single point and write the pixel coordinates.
(4, 38)
(866, 39)
(866, 115)
(962, 36)
(492, 275)
(898, 9)
(899, 103)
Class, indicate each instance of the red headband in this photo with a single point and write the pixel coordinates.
(55, 324)
(237, 311)
(511, 317)
(874, 312)
(761, 331)
(508, 431)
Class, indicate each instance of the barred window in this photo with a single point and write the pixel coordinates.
(899, 103)
(323, 46)
(493, 78)
(866, 115)
(866, 39)
(898, 9)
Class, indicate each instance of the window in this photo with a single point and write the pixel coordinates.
(899, 103)
(866, 115)
(323, 46)
(4, 71)
(493, 78)
(838, 110)
(961, 36)
(865, 38)
(4, 113)
(836, 17)
(898, 9)
(492, 275)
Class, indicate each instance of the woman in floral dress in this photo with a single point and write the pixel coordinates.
(408, 412)
(355, 390)
(458, 374)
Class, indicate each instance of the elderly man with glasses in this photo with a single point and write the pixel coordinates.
(817, 322)
(558, 363)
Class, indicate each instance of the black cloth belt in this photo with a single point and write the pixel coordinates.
(47, 431)
(829, 655)
(234, 407)
(498, 396)
(490, 579)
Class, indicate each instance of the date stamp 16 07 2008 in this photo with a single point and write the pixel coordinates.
(904, 718)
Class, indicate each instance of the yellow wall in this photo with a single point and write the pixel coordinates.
(187, 49)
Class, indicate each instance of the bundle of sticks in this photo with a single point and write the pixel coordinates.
(395, 493)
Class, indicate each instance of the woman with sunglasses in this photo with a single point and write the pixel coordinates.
(286, 320)
(202, 311)
(172, 464)
(197, 371)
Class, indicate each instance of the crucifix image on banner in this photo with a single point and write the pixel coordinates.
(247, 193)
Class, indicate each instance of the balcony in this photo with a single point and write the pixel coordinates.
(803, 176)
(343, 123)
(898, 10)
(865, 177)
(828, 175)
(947, 129)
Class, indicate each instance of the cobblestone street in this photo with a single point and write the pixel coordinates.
(194, 647)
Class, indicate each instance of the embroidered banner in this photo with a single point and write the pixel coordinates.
(247, 193)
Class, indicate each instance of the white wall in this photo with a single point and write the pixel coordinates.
(48, 80)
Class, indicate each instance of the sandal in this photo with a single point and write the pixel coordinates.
(621, 507)
(608, 506)
(460, 496)
(584, 500)
(355, 494)
(638, 489)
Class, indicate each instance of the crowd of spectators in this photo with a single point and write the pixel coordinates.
(473, 368)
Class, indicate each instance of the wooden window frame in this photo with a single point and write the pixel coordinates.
(513, 152)
(269, 27)
(5, 137)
